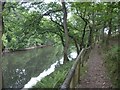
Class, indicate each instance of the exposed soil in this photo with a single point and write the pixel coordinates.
(96, 75)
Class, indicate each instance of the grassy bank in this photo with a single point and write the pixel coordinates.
(112, 63)
(55, 79)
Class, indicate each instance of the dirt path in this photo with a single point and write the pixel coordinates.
(96, 76)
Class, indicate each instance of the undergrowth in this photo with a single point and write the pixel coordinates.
(112, 62)
(55, 79)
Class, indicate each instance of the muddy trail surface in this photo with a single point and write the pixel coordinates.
(96, 76)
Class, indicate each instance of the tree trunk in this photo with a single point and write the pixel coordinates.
(2, 4)
(76, 45)
(109, 32)
(92, 29)
(0, 28)
(3, 47)
(0, 43)
(119, 21)
(103, 36)
(90, 37)
(66, 31)
(118, 75)
(83, 35)
(110, 26)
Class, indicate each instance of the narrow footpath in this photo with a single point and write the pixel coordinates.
(96, 75)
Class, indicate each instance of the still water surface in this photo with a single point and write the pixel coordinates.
(21, 69)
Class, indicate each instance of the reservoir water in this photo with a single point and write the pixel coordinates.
(24, 69)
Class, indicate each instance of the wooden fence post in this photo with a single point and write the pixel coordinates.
(72, 83)
(79, 64)
(73, 75)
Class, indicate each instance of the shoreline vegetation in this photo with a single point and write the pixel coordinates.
(58, 76)
(25, 49)
(56, 79)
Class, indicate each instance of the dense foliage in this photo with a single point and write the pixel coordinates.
(112, 62)
(27, 24)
